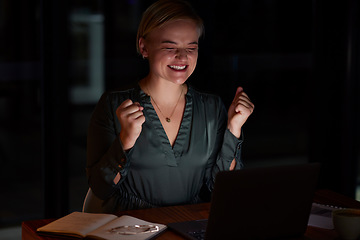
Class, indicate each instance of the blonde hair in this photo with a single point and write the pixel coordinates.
(164, 11)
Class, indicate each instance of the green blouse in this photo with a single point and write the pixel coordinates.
(153, 172)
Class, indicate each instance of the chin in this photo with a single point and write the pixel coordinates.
(180, 80)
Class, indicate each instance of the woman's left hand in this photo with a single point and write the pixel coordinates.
(239, 111)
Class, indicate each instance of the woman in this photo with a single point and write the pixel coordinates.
(163, 142)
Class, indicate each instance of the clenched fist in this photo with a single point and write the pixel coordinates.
(131, 117)
(239, 111)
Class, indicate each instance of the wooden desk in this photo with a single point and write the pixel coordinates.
(198, 211)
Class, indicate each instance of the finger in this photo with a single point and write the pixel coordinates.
(243, 106)
(238, 91)
(140, 119)
(126, 103)
(121, 109)
(243, 97)
(243, 94)
(138, 104)
(136, 114)
(244, 101)
(134, 107)
(128, 107)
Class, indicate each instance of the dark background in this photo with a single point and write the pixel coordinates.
(297, 60)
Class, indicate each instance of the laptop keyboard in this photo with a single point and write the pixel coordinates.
(200, 235)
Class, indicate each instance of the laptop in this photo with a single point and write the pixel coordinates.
(257, 203)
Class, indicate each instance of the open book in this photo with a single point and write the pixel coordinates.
(101, 226)
(321, 216)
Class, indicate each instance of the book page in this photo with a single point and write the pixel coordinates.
(321, 216)
(105, 232)
(77, 224)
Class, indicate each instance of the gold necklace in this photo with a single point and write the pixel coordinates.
(168, 119)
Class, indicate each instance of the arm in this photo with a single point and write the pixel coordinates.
(131, 118)
(239, 111)
(106, 157)
(229, 137)
(225, 147)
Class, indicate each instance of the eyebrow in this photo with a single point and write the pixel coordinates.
(171, 42)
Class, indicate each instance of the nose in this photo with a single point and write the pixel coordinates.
(181, 53)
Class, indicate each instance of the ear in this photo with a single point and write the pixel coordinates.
(143, 48)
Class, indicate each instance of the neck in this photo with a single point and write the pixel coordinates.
(163, 92)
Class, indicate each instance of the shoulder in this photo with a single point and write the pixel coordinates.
(209, 106)
(205, 98)
(110, 100)
(116, 97)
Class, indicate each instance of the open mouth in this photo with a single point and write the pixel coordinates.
(177, 67)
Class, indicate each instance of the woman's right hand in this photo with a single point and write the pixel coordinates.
(131, 117)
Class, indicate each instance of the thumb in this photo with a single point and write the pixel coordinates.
(238, 90)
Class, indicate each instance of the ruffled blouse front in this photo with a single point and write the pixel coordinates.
(153, 172)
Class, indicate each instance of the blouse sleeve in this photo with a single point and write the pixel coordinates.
(105, 155)
(227, 147)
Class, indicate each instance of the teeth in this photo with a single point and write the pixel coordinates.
(177, 67)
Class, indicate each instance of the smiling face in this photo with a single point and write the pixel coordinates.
(172, 50)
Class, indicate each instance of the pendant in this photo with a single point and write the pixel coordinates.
(168, 120)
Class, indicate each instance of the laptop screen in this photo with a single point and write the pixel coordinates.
(258, 203)
(262, 203)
